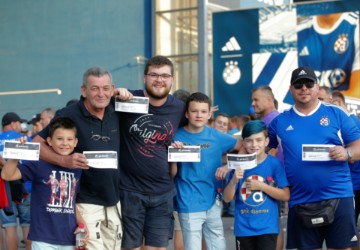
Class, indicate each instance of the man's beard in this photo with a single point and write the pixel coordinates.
(157, 95)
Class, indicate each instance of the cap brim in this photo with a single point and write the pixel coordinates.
(304, 77)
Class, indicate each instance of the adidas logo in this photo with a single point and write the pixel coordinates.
(289, 128)
(304, 51)
(354, 238)
(231, 45)
(302, 72)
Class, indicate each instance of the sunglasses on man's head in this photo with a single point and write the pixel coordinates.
(299, 85)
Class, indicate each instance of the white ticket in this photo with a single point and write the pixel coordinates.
(136, 104)
(316, 152)
(102, 159)
(247, 161)
(15, 150)
(186, 154)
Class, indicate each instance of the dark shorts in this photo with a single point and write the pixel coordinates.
(258, 242)
(339, 234)
(357, 205)
(147, 218)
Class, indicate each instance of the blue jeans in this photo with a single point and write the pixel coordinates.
(209, 222)
(22, 210)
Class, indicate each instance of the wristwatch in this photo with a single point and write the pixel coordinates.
(350, 154)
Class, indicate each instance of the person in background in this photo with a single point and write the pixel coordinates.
(178, 237)
(325, 94)
(221, 122)
(71, 102)
(11, 127)
(253, 116)
(36, 126)
(339, 100)
(233, 125)
(181, 94)
(46, 115)
(243, 119)
(263, 102)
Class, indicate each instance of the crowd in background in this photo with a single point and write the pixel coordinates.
(136, 208)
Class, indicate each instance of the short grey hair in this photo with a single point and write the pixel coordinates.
(265, 89)
(50, 112)
(95, 71)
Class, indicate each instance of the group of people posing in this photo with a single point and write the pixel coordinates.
(131, 206)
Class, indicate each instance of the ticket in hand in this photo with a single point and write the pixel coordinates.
(247, 161)
(185, 154)
(102, 159)
(316, 152)
(22, 151)
(136, 104)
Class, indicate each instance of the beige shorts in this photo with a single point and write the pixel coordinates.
(104, 225)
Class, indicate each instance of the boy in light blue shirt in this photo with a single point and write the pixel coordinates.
(197, 187)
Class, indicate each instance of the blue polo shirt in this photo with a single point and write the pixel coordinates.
(312, 181)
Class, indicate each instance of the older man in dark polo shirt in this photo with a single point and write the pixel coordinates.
(98, 130)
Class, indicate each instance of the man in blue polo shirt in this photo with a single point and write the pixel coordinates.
(311, 180)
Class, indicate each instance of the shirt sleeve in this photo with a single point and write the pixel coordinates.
(28, 170)
(280, 175)
(273, 142)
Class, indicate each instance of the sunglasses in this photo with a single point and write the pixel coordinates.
(299, 85)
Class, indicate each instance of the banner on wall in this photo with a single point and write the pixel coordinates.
(263, 46)
(247, 4)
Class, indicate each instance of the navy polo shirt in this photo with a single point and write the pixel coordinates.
(97, 186)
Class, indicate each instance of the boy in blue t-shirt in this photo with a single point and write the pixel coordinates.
(53, 213)
(256, 192)
(198, 199)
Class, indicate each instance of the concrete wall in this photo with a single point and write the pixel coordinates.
(49, 44)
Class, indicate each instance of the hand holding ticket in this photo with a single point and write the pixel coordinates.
(21, 150)
(134, 105)
(247, 161)
(316, 152)
(101, 159)
(184, 154)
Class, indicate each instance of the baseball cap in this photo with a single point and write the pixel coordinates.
(303, 73)
(11, 117)
(34, 119)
